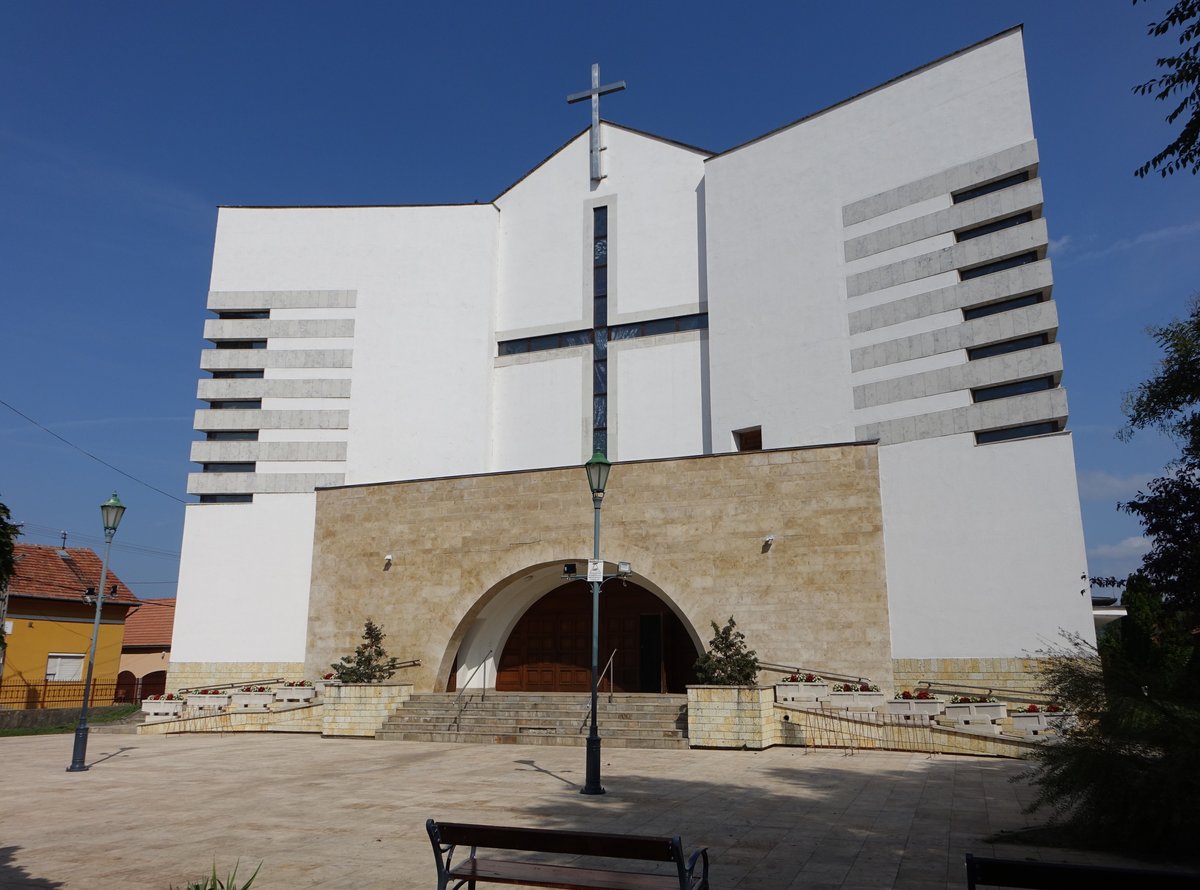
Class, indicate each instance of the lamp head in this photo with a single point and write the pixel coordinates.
(111, 512)
(598, 469)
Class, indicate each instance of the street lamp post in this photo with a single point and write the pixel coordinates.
(111, 512)
(597, 472)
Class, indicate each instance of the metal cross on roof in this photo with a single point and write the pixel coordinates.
(594, 94)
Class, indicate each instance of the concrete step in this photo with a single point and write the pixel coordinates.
(528, 739)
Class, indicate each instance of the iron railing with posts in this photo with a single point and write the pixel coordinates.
(61, 694)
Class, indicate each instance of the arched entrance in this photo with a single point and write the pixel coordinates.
(550, 648)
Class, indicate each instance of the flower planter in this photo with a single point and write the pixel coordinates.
(1034, 722)
(207, 702)
(915, 707)
(858, 701)
(295, 693)
(251, 701)
(800, 691)
(977, 711)
(163, 707)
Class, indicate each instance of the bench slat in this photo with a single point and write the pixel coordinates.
(1029, 875)
(575, 843)
(565, 877)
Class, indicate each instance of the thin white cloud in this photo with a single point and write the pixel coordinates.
(1168, 233)
(1098, 485)
(1058, 246)
(1127, 549)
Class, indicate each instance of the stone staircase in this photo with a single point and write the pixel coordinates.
(531, 718)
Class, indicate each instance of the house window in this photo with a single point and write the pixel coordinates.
(1003, 306)
(221, 404)
(238, 375)
(983, 437)
(61, 667)
(1004, 390)
(226, 498)
(1017, 345)
(998, 266)
(748, 439)
(240, 467)
(226, 314)
(994, 226)
(232, 436)
(980, 190)
(240, 344)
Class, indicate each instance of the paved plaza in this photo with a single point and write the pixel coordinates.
(159, 810)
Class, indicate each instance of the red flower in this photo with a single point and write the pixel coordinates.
(906, 695)
(1053, 709)
(923, 694)
(1032, 709)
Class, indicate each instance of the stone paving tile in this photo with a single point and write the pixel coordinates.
(157, 810)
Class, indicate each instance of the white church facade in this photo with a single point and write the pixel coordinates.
(823, 362)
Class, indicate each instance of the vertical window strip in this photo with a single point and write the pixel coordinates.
(600, 329)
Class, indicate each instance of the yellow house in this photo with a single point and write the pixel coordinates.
(48, 627)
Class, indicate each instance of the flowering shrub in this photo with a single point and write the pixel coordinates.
(855, 686)
(971, 699)
(804, 678)
(1033, 709)
(919, 695)
(299, 684)
(328, 675)
(210, 692)
(255, 689)
(168, 696)
(1053, 709)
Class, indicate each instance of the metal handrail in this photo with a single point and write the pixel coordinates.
(238, 685)
(467, 687)
(787, 669)
(587, 712)
(1019, 694)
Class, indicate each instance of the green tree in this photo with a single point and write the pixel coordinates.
(727, 662)
(1128, 768)
(9, 532)
(1179, 84)
(369, 663)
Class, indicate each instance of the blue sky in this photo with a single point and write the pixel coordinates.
(124, 125)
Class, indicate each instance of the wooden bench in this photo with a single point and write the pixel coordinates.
(446, 836)
(985, 872)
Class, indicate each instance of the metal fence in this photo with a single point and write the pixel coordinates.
(62, 694)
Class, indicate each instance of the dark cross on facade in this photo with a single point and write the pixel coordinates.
(594, 94)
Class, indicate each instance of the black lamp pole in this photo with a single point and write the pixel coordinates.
(110, 514)
(597, 472)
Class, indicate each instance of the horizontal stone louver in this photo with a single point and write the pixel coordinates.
(226, 359)
(233, 301)
(257, 419)
(1030, 236)
(281, 388)
(1010, 367)
(1050, 405)
(1036, 319)
(963, 176)
(261, 483)
(1027, 279)
(267, 329)
(237, 452)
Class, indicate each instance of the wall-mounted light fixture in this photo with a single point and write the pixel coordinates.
(387, 562)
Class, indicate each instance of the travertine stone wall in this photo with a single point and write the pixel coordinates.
(190, 674)
(358, 709)
(992, 673)
(732, 717)
(693, 528)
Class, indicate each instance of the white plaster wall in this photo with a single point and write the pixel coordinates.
(776, 276)
(545, 234)
(656, 382)
(425, 280)
(243, 580)
(984, 546)
(543, 405)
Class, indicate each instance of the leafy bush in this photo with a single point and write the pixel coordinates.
(369, 663)
(727, 662)
(1128, 768)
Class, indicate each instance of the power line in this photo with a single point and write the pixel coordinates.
(89, 454)
(45, 531)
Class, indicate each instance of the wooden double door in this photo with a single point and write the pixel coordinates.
(550, 649)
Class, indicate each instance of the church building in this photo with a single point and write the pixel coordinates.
(823, 363)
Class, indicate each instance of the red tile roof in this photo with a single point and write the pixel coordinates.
(150, 624)
(46, 571)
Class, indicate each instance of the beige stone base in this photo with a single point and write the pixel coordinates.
(359, 709)
(190, 674)
(732, 717)
(990, 673)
